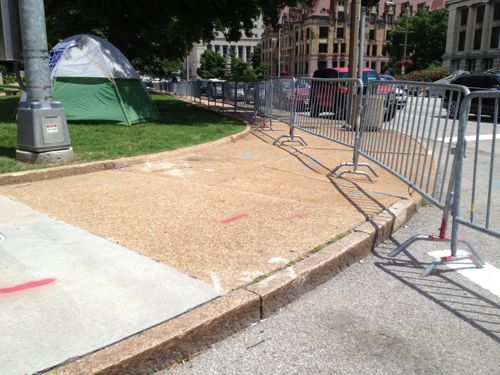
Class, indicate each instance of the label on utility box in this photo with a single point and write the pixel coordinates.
(51, 128)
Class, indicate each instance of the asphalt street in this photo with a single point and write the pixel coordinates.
(377, 317)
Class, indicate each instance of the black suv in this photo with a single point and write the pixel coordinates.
(479, 81)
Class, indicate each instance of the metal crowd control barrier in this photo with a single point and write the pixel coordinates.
(478, 198)
(414, 131)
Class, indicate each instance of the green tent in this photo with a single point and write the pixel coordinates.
(96, 82)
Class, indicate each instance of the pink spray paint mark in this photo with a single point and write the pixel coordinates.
(28, 285)
(233, 218)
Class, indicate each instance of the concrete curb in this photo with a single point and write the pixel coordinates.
(158, 347)
(83, 168)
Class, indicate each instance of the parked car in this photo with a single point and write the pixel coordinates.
(332, 96)
(214, 88)
(399, 97)
(234, 90)
(386, 77)
(302, 90)
(432, 91)
(478, 81)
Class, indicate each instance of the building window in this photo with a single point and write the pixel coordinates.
(335, 63)
(461, 41)
(240, 52)
(342, 48)
(321, 64)
(323, 48)
(479, 14)
(306, 70)
(470, 65)
(390, 19)
(341, 3)
(301, 34)
(487, 63)
(307, 49)
(323, 32)
(342, 64)
(374, 65)
(249, 52)
(374, 50)
(496, 12)
(308, 33)
(217, 48)
(477, 38)
(421, 6)
(463, 16)
(335, 48)
(340, 32)
(296, 35)
(368, 49)
(340, 16)
(495, 37)
(224, 50)
(371, 34)
(372, 18)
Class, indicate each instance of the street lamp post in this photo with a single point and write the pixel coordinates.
(403, 66)
(361, 42)
(42, 131)
(279, 52)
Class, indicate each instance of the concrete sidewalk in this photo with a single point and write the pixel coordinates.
(228, 215)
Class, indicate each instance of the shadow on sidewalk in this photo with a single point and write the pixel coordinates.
(473, 308)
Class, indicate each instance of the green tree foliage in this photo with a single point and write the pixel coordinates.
(146, 31)
(426, 38)
(256, 56)
(212, 65)
(242, 71)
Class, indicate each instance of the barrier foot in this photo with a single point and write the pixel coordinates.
(263, 126)
(353, 171)
(450, 259)
(471, 255)
(295, 139)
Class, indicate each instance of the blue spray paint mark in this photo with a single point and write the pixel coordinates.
(248, 155)
(496, 183)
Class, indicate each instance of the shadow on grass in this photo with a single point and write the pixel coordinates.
(9, 152)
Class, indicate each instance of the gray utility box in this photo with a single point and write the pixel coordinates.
(42, 129)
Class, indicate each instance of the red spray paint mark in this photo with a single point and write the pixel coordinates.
(233, 218)
(28, 285)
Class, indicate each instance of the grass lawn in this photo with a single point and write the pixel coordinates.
(181, 125)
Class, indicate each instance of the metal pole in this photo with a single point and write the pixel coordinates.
(35, 51)
(42, 131)
(361, 43)
(279, 52)
(354, 37)
(403, 66)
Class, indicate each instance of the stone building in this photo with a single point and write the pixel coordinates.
(243, 49)
(473, 37)
(314, 38)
